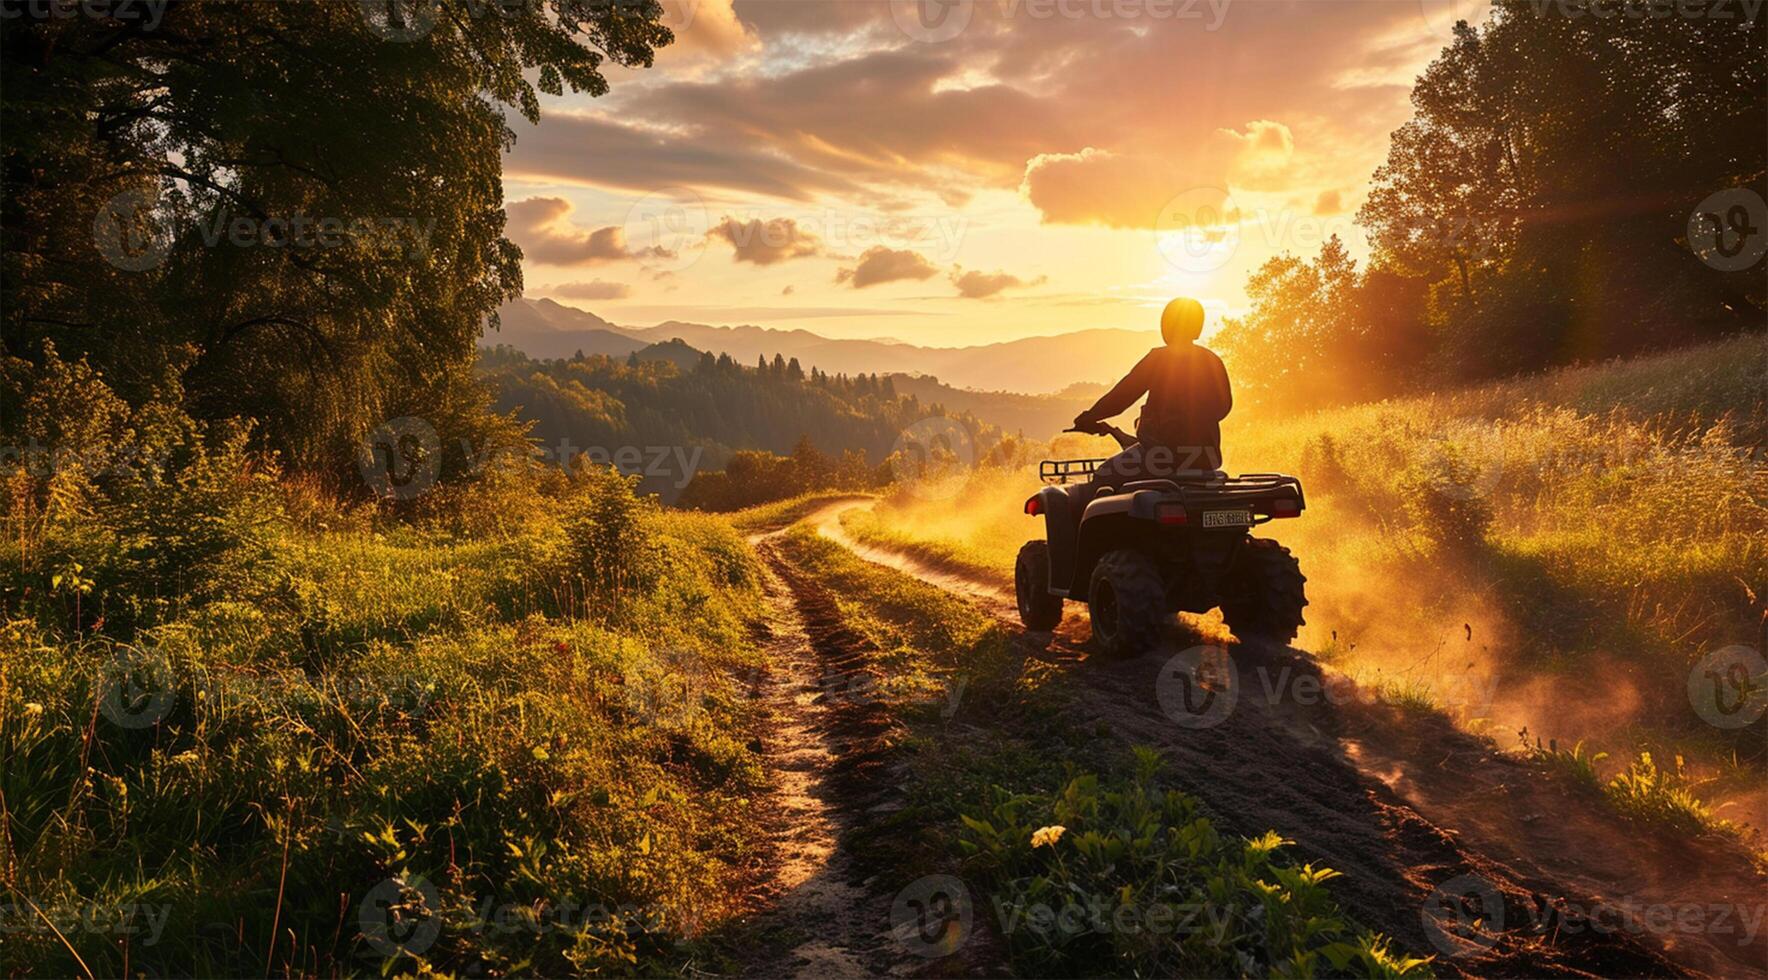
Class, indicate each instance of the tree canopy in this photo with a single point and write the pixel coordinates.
(295, 209)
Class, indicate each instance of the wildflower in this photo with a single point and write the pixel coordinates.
(1047, 835)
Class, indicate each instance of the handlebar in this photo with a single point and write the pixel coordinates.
(1124, 439)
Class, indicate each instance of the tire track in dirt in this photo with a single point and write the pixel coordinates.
(820, 915)
(1305, 765)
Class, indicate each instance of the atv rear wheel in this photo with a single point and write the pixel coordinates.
(1263, 596)
(1038, 609)
(1127, 600)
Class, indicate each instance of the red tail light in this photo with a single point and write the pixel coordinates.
(1034, 506)
(1171, 514)
(1285, 508)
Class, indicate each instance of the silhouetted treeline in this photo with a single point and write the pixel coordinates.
(1535, 211)
(671, 399)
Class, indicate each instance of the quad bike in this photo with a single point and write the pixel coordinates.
(1138, 552)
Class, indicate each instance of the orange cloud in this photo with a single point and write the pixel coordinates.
(880, 264)
(980, 285)
(766, 242)
(1100, 187)
(543, 229)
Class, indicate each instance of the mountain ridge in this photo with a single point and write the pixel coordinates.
(1031, 365)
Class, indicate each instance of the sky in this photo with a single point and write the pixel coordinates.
(956, 172)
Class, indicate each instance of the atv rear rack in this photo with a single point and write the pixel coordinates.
(1060, 471)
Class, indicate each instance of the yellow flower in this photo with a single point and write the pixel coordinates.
(1047, 835)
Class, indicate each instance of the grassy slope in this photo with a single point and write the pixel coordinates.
(397, 719)
(1551, 553)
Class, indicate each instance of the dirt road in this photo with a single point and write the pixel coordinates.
(1445, 844)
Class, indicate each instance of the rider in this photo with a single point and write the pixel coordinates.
(1179, 429)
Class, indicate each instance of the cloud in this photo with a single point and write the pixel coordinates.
(1100, 187)
(1261, 155)
(542, 227)
(766, 242)
(1329, 202)
(587, 149)
(979, 285)
(593, 289)
(880, 264)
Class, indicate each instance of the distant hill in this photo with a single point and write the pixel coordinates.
(1033, 365)
(678, 411)
(1034, 416)
(546, 329)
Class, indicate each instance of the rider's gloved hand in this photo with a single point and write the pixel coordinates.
(1085, 421)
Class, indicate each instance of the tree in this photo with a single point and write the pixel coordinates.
(326, 202)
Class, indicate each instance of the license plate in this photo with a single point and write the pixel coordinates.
(1227, 518)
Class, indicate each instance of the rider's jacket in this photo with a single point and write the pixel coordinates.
(1188, 396)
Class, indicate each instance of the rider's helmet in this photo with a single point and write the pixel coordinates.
(1181, 322)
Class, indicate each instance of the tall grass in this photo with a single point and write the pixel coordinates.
(1552, 552)
(378, 747)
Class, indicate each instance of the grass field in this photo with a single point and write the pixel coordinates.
(1551, 553)
(381, 749)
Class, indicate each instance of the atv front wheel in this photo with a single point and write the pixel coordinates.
(1038, 609)
(1127, 601)
(1263, 596)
